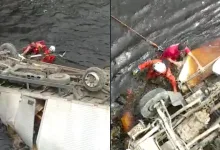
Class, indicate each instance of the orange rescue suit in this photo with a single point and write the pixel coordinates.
(40, 47)
(153, 74)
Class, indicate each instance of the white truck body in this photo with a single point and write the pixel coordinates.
(65, 124)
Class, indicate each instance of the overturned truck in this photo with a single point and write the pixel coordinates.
(48, 106)
(195, 123)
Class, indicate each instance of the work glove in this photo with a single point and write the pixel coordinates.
(160, 49)
(179, 64)
(21, 57)
(201, 69)
(135, 71)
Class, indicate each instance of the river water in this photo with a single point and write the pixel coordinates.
(79, 27)
(163, 21)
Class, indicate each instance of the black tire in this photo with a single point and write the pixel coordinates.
(61, 78)
(149, 96)
(99, 84)
(150, 99)
(10, 47)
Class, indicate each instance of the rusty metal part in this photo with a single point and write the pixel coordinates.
(199, 72)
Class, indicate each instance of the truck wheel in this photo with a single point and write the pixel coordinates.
(149, 96)
(94, 79)
(148, 101)
(9, 47)
(61, 78)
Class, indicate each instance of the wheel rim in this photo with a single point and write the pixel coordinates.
(92, 79)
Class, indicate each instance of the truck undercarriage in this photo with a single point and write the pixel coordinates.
(191, 127)
(32, 90)
(186, 120)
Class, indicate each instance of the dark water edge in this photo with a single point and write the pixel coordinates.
(79, 27)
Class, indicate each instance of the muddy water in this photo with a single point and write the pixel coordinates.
(79, 27)
(164, 22)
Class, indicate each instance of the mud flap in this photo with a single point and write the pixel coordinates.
(24, 121)
(149, 96)
(176, 98)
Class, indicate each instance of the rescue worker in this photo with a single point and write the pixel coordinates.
(47, 55)
(157, 68)
(39, 47)
(175, 51)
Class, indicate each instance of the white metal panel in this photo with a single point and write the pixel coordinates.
(216, 67)
(149, 144)
(3, 108)
(12, 107)
(9, 103)
(24, 121)
(74, 126)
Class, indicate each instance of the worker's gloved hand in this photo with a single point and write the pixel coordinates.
(179, 64)
(160, 48)
(21, 57)
(135, 71)
(201, 69)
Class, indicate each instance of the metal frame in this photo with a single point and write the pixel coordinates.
(74, 88)
(46, 83)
